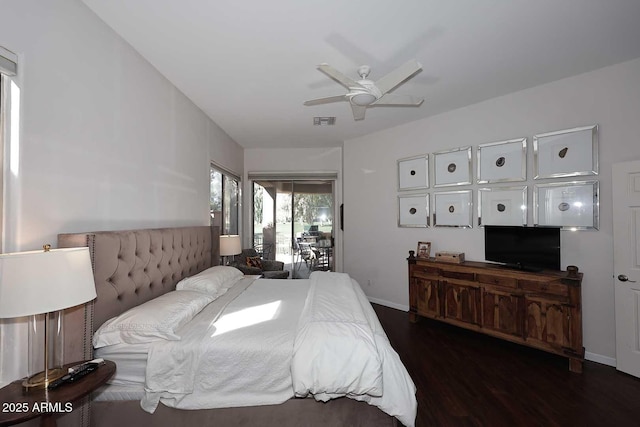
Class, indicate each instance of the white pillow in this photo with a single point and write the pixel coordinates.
(214, 281)
(154, 320)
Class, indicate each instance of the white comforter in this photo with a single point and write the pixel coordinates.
(342, 350)
(265, 348)
(241, 358)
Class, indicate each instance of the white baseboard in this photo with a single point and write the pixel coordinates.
(593, 357)
(598, 358)
(389, 304)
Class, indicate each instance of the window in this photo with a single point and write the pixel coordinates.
(2, 134)
(10, 332)
(8, 68)
(9, 106)
(224, 200)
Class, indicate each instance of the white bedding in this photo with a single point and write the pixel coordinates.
(351, 354)
(245, 356)
(243, 359)
(131, 362)
(335, 352)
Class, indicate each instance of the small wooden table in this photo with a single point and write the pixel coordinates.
(19, 405)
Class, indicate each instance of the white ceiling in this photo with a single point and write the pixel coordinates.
(249, 65)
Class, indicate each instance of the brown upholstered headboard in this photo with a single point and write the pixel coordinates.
(131, 267)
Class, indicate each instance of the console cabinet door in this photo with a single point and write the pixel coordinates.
(500, 312)
(461, 303)
(428, 301)
(547, 322)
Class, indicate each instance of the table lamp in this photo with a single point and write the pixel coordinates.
(45, 282)
(230, 245)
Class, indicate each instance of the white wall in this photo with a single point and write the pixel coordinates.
(106, 142)
(294, 160)
(376, 249)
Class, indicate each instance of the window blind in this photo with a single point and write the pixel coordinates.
(292, 176)
(225, 171)
(8, 62)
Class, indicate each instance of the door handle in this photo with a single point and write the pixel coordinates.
(624, 278)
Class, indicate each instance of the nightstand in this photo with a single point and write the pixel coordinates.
(19, 405)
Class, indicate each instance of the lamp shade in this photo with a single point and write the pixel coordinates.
(230, 244)
(39, 282)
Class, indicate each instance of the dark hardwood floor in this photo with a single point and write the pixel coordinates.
(469, 379)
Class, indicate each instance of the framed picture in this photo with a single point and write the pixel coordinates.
(424, 250)
(452, 167)
(502, 161)
(571, 205)
(571, 152)
(413, 210)
(413, 173)
(502, 206)
(452, 209)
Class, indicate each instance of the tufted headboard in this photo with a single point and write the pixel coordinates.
(131, 267)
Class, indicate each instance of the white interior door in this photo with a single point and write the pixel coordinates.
(626, 261)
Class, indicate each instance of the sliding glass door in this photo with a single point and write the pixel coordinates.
(293, 223)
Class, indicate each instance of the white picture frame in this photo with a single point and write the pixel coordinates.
(570, 205)
(452, 167)
(453, 209)
(502, 161)
(413, 210)
(413, 173)
(502, 206)
(570, 152)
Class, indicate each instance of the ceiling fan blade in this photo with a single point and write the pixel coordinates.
(393, 99)
(338, 76)
(398, 76)
(326, 100)
(358, 111)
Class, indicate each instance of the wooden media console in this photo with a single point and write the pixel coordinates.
(536, 309)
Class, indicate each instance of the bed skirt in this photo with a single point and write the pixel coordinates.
(294, 413)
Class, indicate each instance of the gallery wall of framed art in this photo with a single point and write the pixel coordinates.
(500, 179)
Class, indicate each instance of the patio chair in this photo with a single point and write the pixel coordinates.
(250, 263)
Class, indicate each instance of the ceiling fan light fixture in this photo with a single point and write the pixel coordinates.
(363, 99)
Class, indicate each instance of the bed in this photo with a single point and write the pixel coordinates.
(133, 267)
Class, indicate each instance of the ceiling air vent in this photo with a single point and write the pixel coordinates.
(324, 121)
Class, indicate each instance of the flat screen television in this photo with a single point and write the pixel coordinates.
(526, 248)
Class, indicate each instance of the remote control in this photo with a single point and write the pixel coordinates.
(83, 370)
(72, 369)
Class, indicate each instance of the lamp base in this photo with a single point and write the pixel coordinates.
(40, 380)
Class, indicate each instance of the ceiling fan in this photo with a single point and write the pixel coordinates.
(365, 93)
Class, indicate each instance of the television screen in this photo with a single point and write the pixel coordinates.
(528, 248)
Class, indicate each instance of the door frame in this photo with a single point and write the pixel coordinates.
(627, 308)
(293, 178)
